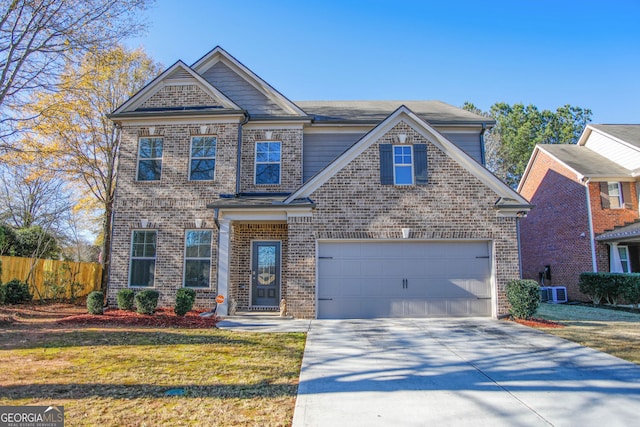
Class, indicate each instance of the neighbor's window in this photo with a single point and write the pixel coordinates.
(623, 253)
(267, 163)
(615, 195)
(197, 258)
(150, 159)
(402, 165)
(143, 258)
(203, 158)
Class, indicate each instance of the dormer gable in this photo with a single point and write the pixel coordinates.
(242, 85)
(177, 88)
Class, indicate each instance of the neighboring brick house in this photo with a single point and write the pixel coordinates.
(341, 209)
(586, 207)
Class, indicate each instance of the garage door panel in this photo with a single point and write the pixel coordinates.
(403, 279)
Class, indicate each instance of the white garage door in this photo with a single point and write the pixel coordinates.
(403, 279)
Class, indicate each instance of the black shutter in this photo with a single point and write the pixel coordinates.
(626, 195)
(604, 195)
(420, 164)
(386, 164)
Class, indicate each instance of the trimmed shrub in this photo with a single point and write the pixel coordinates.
(16, 292)
(609, 286)
(524, 297)
(185, 298)
(95, 301)
(631, 290)
(147, 301)
(125, 299)
(590, 284)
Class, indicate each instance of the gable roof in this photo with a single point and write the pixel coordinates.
(176, 74)
(508, 197)
(217, 55)
(629, 134)
(584, 161)
(434, 112)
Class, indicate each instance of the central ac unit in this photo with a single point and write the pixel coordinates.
(545, 293)
(558, 294)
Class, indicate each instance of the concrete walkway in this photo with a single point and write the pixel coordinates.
(467, 372)
(263, 322)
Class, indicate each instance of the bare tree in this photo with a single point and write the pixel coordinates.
(39, 37)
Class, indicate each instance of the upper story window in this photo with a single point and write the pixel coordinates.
(267, 163)
(202, 165)
(402, 165)
(149, 159)
(143, 258)
(615, 195)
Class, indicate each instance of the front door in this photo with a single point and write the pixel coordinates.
(265, 274)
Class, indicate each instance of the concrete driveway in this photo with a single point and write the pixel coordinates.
(467, 372)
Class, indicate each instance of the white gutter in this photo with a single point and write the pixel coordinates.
(591, 234)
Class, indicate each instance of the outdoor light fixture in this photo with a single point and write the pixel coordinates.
(402, 138)
(203, 129)
(405, 233)
(144, 223)
(152, 130)
(268, 134)
(199, 222)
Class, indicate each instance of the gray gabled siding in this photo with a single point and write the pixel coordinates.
(241, 92)
(469, 142)
(320, 149)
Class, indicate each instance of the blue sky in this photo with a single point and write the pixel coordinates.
(547, 53)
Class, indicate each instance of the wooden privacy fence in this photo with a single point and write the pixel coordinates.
(53, 279)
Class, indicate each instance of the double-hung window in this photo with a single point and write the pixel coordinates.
(267, 163)
(402, 165)
(143, 258)
(197, 258)
(615, 195)
(202, 165)
(149, 159)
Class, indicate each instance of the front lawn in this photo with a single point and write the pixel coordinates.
(611, 331)
(120, 376)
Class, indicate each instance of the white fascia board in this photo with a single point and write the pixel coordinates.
(160, 81)
(423, 128)
(244, 214)
(193, 120)
(585, 135)
(614, 138)
(273, 125)
(219, 54)
(532, 159)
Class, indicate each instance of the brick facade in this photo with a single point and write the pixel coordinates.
(352, 204)
(556, 232)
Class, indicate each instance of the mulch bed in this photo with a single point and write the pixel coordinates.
(538, 323)
(163, 317)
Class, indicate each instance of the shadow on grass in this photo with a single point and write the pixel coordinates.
(120, 391)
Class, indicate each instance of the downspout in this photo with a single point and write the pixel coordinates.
(592, 238)
(519, 247)
(482, 150)
(239, 154)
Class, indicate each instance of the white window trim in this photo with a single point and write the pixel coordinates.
(620, 198)
(402, 165)
(149, 158)
(202, 158)
(628, 261)
(255, 162)
(132, 258)
(185, 258)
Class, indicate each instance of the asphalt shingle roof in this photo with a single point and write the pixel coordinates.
(585, 161)
(627, 133)
(436, 112)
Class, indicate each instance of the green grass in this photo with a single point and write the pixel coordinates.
(119, 377)
(611, 331)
